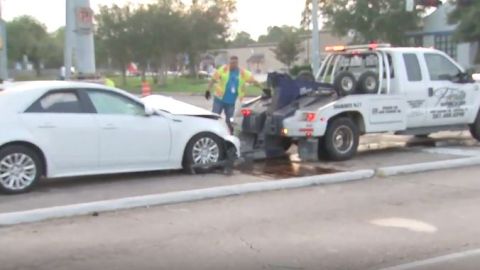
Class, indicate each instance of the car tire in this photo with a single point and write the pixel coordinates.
(20, 169)
(345, 83)
(305, 76)
(341, 140)
(475, 128)
(368, 83)
(205, 150)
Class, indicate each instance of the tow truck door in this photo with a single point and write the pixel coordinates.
(415, 88)
(450, 102)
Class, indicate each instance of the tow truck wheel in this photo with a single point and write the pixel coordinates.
(368, 83)
(475, 128)
(306, 76)
(340, 141)
(345, 83)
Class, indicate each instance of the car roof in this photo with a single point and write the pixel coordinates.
(16, 95)
(41, 85)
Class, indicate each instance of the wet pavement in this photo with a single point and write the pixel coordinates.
(281, 168)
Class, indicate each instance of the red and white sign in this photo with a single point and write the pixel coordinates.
(84, 20)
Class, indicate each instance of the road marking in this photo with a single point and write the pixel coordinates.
(436, 260)
(403, 223)
(452, 151)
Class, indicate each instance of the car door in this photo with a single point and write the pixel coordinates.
(68, 134)
(415, 88)
(129, 139)
(451, 100)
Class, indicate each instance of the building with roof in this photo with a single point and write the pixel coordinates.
(260, 58)
(438, 33)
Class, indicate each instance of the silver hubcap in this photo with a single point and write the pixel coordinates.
(205, 151)
(343, 139)
(347, 84)
(17, 171)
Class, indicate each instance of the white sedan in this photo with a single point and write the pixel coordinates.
(62, 129)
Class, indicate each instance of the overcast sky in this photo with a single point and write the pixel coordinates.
(253, 16)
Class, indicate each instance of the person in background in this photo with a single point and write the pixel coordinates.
(230, 82)
(109, 82)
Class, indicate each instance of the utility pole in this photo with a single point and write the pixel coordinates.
(84, 43)
(69, 38)
(79, 38)
(3, 47)
(315, 39)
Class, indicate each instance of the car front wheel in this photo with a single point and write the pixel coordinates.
(204, 151)
(20, 169)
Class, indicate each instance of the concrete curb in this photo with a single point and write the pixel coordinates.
(427, 166)
(178, 197)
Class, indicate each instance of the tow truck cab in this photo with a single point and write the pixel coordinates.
(377, 88)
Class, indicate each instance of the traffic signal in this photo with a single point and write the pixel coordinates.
(429, 3)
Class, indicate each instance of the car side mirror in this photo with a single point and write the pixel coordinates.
(468, 77)
(149, 111)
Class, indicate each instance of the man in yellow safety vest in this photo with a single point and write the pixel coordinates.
(230, 82)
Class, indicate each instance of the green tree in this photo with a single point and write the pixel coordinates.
(242, 39)
(288, 49)
(207, 23)
(114, 35)
(278, 33)
(27, 37)
(53, 55)
(384, 20)
(468, 23)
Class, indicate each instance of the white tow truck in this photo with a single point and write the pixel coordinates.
(375, 88)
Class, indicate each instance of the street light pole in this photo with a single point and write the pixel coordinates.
(3, 47)
(69, 38)
(315, 39)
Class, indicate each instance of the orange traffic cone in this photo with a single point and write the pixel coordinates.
(146, 89)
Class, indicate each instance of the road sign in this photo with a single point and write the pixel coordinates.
(84, 20)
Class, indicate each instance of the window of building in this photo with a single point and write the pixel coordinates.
(416, 41)
(446, 44)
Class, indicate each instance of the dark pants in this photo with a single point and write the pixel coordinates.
(229, 109)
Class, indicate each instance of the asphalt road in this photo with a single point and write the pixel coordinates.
(377, 151)
(364, 225)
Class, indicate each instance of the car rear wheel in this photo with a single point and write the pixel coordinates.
(20, 169)
(203, 152)
(340, 141)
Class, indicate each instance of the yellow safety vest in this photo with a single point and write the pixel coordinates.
(109, 82)
(223, 74)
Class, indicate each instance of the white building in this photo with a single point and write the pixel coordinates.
(438, 33)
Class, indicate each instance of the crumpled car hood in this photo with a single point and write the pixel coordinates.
(173, 106)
